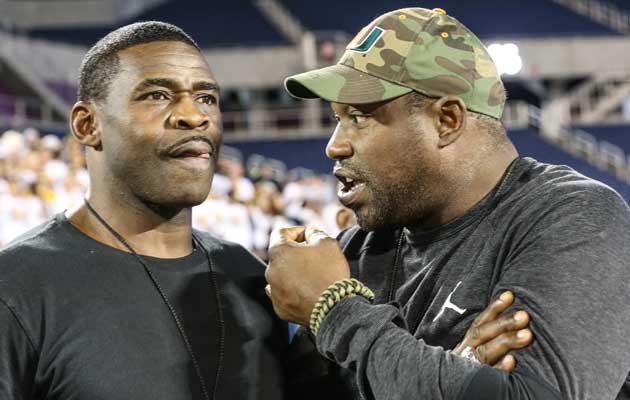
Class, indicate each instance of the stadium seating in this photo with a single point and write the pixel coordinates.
(211, 23)
(623, 5)
(215, 24)
(492, 18)
(615, 134)
(66, 91)
(307, 153)
(7, 107)
(530, 144)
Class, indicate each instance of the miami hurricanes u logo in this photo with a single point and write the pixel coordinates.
(368, 42)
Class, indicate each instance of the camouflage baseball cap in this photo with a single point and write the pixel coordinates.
(405, 50)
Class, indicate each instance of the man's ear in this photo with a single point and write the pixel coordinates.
(450, 117)
(85, 125)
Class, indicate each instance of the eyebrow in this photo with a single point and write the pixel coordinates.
(173, 84)
(205, 85)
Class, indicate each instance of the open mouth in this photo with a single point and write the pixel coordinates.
(350, 189)
(347, 184)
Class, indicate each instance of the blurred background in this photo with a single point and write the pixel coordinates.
(565, 63)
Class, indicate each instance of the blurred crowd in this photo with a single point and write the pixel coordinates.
(41, 176)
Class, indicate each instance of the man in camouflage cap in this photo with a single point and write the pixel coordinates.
(449, 217)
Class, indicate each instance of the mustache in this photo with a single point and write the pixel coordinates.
(193, 138)
(351, 166)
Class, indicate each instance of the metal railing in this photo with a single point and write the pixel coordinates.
(601, 12)
(601, 154)
(601, 99)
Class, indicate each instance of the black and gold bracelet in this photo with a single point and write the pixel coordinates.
(333, 295)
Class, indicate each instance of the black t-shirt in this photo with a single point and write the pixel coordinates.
(555, 238)
(82, 320)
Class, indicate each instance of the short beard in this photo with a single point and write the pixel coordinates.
(162, 196)
(394, 206)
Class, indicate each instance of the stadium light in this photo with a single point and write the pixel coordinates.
(506, 57)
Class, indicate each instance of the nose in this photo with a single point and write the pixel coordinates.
(338, 147)
(187, 115)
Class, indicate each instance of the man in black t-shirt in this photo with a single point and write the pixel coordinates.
(450, 216)
(119, 298)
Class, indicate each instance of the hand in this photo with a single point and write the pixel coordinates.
(303, 262)
(491, 337)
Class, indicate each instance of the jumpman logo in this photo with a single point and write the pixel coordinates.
(449, 304)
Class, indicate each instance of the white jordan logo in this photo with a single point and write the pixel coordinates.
(449, 304)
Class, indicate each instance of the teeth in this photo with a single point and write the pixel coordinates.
(349, 180)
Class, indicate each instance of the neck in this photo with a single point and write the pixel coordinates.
(148, 230)
(468, 191)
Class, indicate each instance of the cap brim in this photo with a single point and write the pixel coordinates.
(342, 84)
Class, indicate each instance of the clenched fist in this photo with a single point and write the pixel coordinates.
(303, 262)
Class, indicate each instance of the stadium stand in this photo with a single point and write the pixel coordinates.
(615, 134)
(306, 153)
(7, 101)
(530, 143)
(493, 18)
(66, 91)
(622, 4)
(212, 24)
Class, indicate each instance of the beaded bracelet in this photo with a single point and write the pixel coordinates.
(333, 295)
